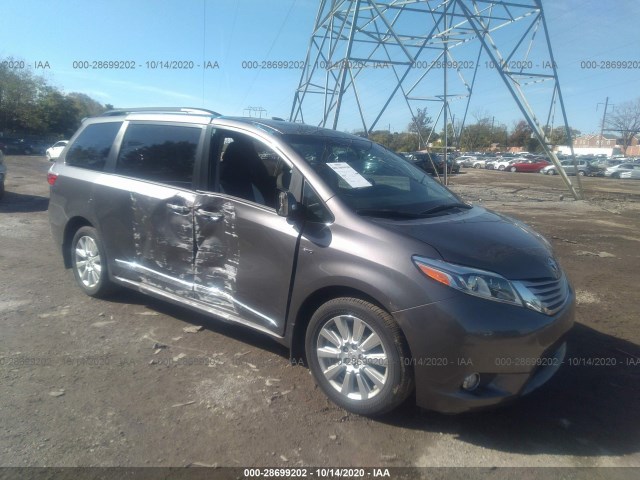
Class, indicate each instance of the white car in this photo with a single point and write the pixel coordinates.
(503, 163)
(54, 151)
(616, 171)
(633, 174)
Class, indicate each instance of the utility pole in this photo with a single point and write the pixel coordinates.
(446, 99)
(604, 116)
(493, 119)
(259, 111)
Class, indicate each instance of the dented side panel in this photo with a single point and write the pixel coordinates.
(148, 232)
(244, 259)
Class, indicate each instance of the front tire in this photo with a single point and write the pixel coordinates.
(358, 356)
(89, 263)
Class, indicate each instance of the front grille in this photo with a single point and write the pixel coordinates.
(552, 293)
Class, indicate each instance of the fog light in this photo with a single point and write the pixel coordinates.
(471, 382)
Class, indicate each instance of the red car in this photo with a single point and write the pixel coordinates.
(529, 166)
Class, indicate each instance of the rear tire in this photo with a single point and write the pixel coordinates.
(581, 173)
(89, 263)
(359, 356)
(513, 169)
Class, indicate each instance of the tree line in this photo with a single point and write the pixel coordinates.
(29, 105)
(482, 134)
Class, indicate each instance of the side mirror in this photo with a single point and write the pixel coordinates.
(287, 204)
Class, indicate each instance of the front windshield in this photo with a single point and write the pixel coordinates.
(370, 179)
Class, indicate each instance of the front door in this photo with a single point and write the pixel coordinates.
(245, 252)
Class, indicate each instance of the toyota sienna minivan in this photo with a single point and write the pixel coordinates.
(383, 280)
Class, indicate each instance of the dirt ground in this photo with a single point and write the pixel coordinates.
(83, 382)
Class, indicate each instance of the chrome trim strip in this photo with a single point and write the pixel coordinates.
(136, 267)
(194, 304)
(538, 296)
(220, 293)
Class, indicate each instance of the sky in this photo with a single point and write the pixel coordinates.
(59, 39)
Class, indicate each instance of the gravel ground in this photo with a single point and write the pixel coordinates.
(88, 382)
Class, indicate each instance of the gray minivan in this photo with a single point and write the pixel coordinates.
(383, 280)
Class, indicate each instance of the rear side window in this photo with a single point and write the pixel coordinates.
(91, 148)
(159, 153)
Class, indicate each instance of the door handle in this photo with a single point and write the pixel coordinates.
(178, 208)
(213, 216)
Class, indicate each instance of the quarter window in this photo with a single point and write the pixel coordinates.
(315, 210)
(159, 153)
(91, 148)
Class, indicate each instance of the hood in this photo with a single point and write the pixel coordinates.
(482, 239)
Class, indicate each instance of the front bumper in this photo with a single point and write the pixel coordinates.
(514, 350)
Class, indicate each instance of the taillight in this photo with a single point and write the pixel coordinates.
(51, 178)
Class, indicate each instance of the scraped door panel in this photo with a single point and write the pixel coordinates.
(162, 227)
(244, 260)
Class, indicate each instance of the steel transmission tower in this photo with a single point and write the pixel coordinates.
(378, 60)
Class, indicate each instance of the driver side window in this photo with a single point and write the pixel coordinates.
(250, 170)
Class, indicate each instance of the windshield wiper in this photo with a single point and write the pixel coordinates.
(386, 213)
(446, 206)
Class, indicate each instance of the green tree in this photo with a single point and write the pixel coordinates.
(558, 135)
(58, 113)
(87, 106)
(477, 136)
(421, 126)
(521, 135)
(20, 92)
(29, 105)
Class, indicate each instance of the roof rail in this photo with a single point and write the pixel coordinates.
(184, 110)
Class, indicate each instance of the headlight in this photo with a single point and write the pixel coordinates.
(469, 280)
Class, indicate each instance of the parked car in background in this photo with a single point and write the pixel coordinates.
(432, 163)
(17, 146)
(479, 162)
(54, 151)
(502, 163)
(466, 160)
(3, 173)
(614, 171)
(633, 174)
(528, 166)
(584, 168)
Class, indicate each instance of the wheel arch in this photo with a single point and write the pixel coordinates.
(302, 317)
(73, 225)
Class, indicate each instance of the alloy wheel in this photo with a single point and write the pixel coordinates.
(352, 357)
(88, 262)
